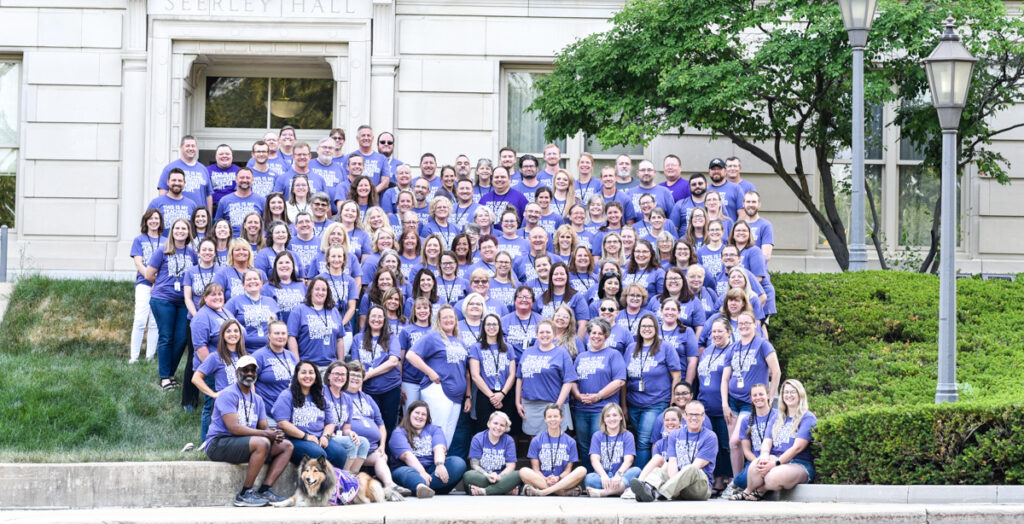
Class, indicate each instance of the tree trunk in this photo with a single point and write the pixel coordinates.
(934, 247)
(875, 237)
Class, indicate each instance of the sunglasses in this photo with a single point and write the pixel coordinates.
(607, 310)
(386, 142)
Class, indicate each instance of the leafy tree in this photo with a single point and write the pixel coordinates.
(774, 78)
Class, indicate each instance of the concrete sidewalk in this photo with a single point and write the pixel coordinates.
(460, 509)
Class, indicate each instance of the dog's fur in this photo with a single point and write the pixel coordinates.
(317, 485)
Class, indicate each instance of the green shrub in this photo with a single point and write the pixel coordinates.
(963, 443)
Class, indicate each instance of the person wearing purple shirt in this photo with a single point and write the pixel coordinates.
(237, 205)
(663, 197)
(680, 213)
(492, 368)
(502, 195)
(303, 414)
(314, 328)
(611, 452)
(283, 285)
(644, 269)
(681, 337)
(143, 247)
(277, 364)
(422, 448)
(751, 360)
(752, 432)
(284, 182)
(545, 373)
(492, 459)
(221, 173)
(378, 350)
(732, 193)
(217, 370)
(552, 454)
(652, 367)
(753, 259)
(196, 182)
(239, 434)
(326, 168)
(166, 269)
(681, 395)
(253, 309)
(686, 475)
(418, 326)
(173, 204)
(205, 325)
(601, 374)
(679, 186)
(785, 459)
(443, 359)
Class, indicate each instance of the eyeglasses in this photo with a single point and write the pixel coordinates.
(682, 394)
(447, 263)
(338, 375)
(320, 204)
(338, 137)
(607, 310)
(524, 297)
(634, 295)
(386, 142)
(744, 323)
(694, 415)
(479, 281)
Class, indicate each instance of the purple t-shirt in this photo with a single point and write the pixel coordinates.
(758, 427)
(544, 372)
(263, 181)
(520, 333)
(205, 327)
(255, 315)
(709, 376)
(249, 408)
(685, 342)
(288, 297)
(687, 447)
(407, 338)
(786, 436)
(680, 190)
(172, 209)
(732, 197)
(235, 208)
(492, 457)
(749, 366)
(422, 447)
(494, 364)
(275, 375)
(223, 372)
(652, 280)
(653, 371)
(594, 371)
(316, 332)
(577, 303)
(169, 284)
(553, 453)
(197, 181)
(230, 278)
(612, 449)
(376, 357)
(222, 181)
(341, 407)
(197, 277)
(144, 246)
(497, 203)
(448, 359)
(307, 251)
(659, 433)
(308, 418)
(366, 419)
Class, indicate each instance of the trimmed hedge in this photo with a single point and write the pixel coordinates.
(963, 443)
(861, 341)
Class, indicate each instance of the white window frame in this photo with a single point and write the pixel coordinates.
(19, 138)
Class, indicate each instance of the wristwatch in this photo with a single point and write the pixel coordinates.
(778, 462)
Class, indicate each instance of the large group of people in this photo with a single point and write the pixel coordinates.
(419, 327)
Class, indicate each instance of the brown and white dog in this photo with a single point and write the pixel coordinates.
(320, 484)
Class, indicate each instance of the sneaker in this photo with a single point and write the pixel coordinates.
(133, 360)
(628, 495)
(188, 447)
(403, 491)
(643, 491)
(423, 491)
(728, 491)
(269, 494)
(250, 499)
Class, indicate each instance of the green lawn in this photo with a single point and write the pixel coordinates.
(67, 392)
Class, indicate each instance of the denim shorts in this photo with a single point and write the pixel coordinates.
(738, 406)
(808, 467)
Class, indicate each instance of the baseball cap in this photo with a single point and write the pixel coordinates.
(247, 360)
(718, 162)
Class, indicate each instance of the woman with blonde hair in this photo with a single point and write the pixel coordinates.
(612, 453)
(785, 459)
(492, 459)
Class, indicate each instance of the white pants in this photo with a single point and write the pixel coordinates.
(443, 412)
(143, 318)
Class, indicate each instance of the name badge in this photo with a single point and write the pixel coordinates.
(177, 286)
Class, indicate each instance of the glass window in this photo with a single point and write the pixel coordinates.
(919, 189)
(525, 129)
(874, 135)
(259, 103)
(9, 82)
(842, 176)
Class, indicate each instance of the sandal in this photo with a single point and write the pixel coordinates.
(750, 497)
(574, 492)
(530, 491)
(477, 491)
(166, 384)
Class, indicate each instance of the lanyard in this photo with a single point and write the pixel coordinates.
(246, 407)
(608, 451)
(448, 290)
(696, 443)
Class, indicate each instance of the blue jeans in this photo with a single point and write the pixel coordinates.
(389, 402)
(593, 480)
(587, 423)
(204, 424)
(334, 452)
(408, 478)
(723, 461)
(172, 327)
(354, 450)
(740, 481)
(642, 420)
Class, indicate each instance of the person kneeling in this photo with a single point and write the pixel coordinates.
(552, 454)
(422, 447)
(239, 433)
(691, 453)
